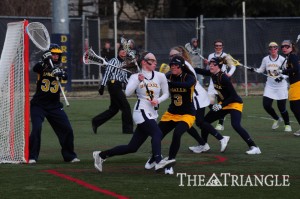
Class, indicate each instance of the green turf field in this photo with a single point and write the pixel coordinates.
(125, 176)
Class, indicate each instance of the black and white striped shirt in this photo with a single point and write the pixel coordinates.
(113, 73)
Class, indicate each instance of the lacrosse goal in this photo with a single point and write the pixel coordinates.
(14, 95)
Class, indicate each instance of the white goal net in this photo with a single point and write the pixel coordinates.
(14, 95)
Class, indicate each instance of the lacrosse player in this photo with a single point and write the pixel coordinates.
(275, 89)
(228, 70)
(201, 100)
(114, 79)
(46, 103)
(288, 48)
(229, 102)
(144, 114)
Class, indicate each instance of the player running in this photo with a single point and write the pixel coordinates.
(229, 102)
(145, 84)
(228, 70)
(200, 100)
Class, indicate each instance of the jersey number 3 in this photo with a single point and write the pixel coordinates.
(177, 100)
(49, 86)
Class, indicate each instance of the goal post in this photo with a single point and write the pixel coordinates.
(14, 95)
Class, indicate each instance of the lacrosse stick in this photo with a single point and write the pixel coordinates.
(188, 47)
(39, 35)
(90, 57)
(164, 68)
(233, 62)
(126, 46)
(298, 37)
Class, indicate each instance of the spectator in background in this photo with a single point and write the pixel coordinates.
(107, 53)
(195, 52)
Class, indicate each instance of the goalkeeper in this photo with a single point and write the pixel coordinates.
(229, 102)
(46, 103)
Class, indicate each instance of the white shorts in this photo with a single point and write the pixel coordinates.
(275, 93)
(138, 116)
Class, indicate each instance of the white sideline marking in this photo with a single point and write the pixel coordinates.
(267, 118)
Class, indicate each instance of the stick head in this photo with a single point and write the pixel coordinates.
(230, 61)
(164, 68)
(39, 35)
(90, 57)
(297, 38)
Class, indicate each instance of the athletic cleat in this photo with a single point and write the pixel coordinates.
(253, 150)
(32, 161)
(75, 160)
(287, 128)
(200, 148)
(276, 123)
(163, 163)
(169, 171)
(219, 127)
(98, 160)
(224, 143)
(297, 133)
(149, 164)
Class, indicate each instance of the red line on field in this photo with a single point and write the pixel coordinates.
(85, 184)
(219, 159)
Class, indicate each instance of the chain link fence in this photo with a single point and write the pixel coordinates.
(162, 34)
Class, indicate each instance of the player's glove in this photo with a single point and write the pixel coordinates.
(46, 57)
(57, 72)
(216, 107)
(277, 72)
(279, 79)
(251, 69)
(101, 90)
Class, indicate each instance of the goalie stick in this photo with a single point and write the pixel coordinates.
(90, 57)
(39, 35)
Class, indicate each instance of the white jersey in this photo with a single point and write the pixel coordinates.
(211, 89)
(200, 96)
(156, 83)
(274, 90)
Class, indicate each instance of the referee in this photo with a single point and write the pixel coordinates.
(113, 79)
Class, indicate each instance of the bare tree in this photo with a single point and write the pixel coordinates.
(25, 8)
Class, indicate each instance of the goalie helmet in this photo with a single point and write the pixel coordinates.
(55, 49)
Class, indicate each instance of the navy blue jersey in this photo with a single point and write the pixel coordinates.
(292, 68)
(47, 92)
(181, 89)
(226, 92)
